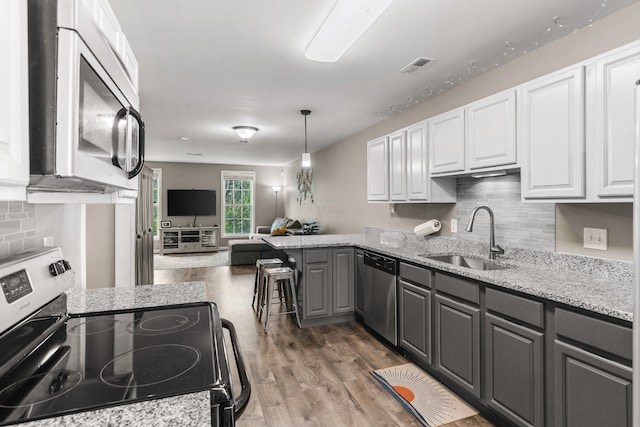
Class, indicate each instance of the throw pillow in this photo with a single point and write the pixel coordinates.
(279, 226)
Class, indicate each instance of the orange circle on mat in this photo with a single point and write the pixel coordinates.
(404, 392)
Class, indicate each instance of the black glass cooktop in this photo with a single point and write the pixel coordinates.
(112, 358)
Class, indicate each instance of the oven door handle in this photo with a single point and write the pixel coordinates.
(243, 398)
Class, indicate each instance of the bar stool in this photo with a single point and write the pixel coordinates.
(257, 286)
(274, 277)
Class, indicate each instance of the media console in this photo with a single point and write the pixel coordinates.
(188, 239)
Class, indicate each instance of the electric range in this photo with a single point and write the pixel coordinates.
(53, 363)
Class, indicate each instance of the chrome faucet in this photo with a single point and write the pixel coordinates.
(493, 248)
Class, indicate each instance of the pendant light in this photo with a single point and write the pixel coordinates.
(306, 157)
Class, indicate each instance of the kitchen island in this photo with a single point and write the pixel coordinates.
(191, 409)
(594, 284)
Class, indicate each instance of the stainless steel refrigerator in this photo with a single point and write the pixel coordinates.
(144, 228)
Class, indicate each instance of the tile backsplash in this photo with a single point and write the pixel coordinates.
(17, 227)
(517, 224)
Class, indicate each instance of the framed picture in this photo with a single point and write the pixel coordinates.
(165, 224)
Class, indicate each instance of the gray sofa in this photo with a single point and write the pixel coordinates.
(248, 251)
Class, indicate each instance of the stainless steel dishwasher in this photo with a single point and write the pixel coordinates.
(380, 295)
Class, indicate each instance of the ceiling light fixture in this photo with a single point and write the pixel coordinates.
(245, 132)
(490, 174)
(306, 157)
(347, 21)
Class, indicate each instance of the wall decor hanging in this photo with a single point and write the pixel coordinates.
(305, 179)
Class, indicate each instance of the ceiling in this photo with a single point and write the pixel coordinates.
(209, 65)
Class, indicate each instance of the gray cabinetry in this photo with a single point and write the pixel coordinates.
(316, 289)
(514, 371)
(414, 310)
(514, 357)
(360, 278)
(343, 281)
(592, 372)
(457, 346)
(327, 285)
(316, 282)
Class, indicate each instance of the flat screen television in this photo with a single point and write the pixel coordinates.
(191, 202)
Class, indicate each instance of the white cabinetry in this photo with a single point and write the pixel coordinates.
(106, 20)
(398, 169)
(378, 169)
(490, 129)
(397, 166)
(188, 239)
(615, 119)
(417, 162)
(14, 97)
(552, 133)
(446, 142)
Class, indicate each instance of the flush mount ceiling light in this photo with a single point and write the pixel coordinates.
(489, 174)
(245, 132)
(306, 157)
(347, 21)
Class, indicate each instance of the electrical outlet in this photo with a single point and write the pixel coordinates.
(595, 238)
(454, 225)
(47, 242)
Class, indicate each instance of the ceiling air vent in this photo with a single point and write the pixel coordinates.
(415, 65)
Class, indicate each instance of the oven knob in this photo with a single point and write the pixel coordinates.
(66, 265)
(52, 269)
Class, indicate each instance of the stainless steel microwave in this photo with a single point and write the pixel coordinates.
(86, 134)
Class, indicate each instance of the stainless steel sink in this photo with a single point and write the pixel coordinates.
(467, 262)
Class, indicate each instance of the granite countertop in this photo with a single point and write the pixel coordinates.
(191, 409)
(594, 284)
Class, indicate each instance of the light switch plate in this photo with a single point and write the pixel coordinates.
(454, 225)
(595, 238)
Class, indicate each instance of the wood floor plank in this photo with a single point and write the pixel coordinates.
(318, 376)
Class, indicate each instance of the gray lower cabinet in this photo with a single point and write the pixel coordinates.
(343, 283)
(514, 371)
(592, 371)
(328, 282)
(316, 289)
(457, 342)
(360, 278)
(414, 309)
(591, 391)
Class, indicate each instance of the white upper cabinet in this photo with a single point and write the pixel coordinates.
(14, 98)
(398, 169)
(491, 131)
(615, 121)
(446, 142)
(417, 162)
(397, 166)
(552, 132)
(378, 169)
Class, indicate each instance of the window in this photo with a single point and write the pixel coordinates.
(157, 201)
(237, 203)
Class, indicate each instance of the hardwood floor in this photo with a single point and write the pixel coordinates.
(315, 376)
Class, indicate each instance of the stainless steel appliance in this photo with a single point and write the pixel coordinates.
(144, 228)
(85, 130)
(53, 363)
(380, 311)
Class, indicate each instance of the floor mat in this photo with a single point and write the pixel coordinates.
(423, 396)
(171, 261)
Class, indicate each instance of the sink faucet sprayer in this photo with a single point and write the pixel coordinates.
(493, 248)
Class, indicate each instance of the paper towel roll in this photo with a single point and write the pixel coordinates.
(428, 227)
